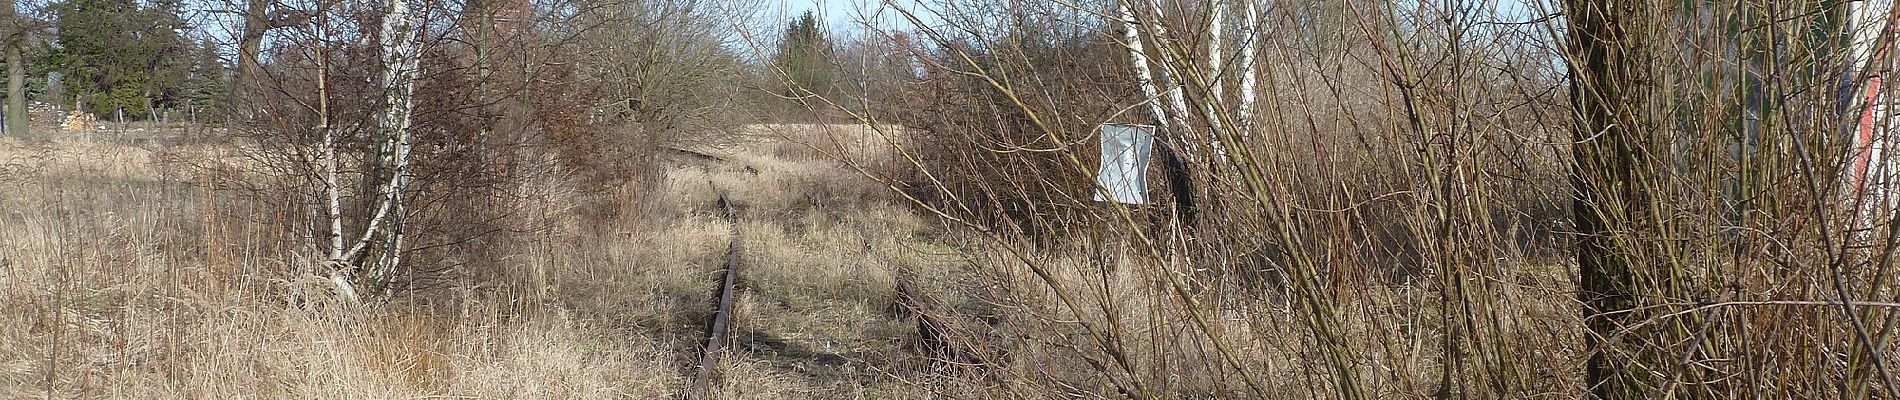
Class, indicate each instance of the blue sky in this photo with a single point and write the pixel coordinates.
(844, 14)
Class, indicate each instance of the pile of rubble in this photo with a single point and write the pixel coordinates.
(42, 116)
(47, 115)
(78, 120)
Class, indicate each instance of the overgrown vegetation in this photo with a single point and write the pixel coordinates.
(1361, 199)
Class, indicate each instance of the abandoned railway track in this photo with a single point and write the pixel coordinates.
(720, 323)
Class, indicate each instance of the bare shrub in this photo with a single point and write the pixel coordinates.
(1392, 213)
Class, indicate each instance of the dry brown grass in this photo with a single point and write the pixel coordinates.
(122, 280)
(127, 275)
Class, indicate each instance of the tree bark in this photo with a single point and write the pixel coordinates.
(16, 114)
(1144, 74)
(1176, 96)
(250, 42)
(340, 268)
(401, 48)
(1604, 178)
(1216, 22)
(1216, 13)
(1180, 181)
(1249, 31)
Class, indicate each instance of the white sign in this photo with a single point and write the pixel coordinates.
(1123, 177)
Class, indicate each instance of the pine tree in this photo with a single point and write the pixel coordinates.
(804, 56)
(206, 85)
(121, 54)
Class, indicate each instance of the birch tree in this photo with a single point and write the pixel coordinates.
(1171, 74)
(1146, 21)
(371, 260)
(1144, 75)
(400, 53)
(1178, 75)
(397, 166)
(1249, 34)
(1216, 22)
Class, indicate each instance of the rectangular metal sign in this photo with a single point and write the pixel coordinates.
(1123, 176)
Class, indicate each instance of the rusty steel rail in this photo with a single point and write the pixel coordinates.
(716, 332)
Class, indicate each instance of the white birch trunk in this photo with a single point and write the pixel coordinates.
(400, 45)
(1139, 57)
(344, 287)
(1174, 73)
(1216, 23)
(1249, 39)
(332, 192)
(1176, 98)
(340, 269)
(1216, 14)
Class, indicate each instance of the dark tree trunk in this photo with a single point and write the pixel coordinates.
(250, 42)
(1604, 179)
(1180, 178)
(16, 115)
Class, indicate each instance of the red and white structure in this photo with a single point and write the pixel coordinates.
(1871, 177)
